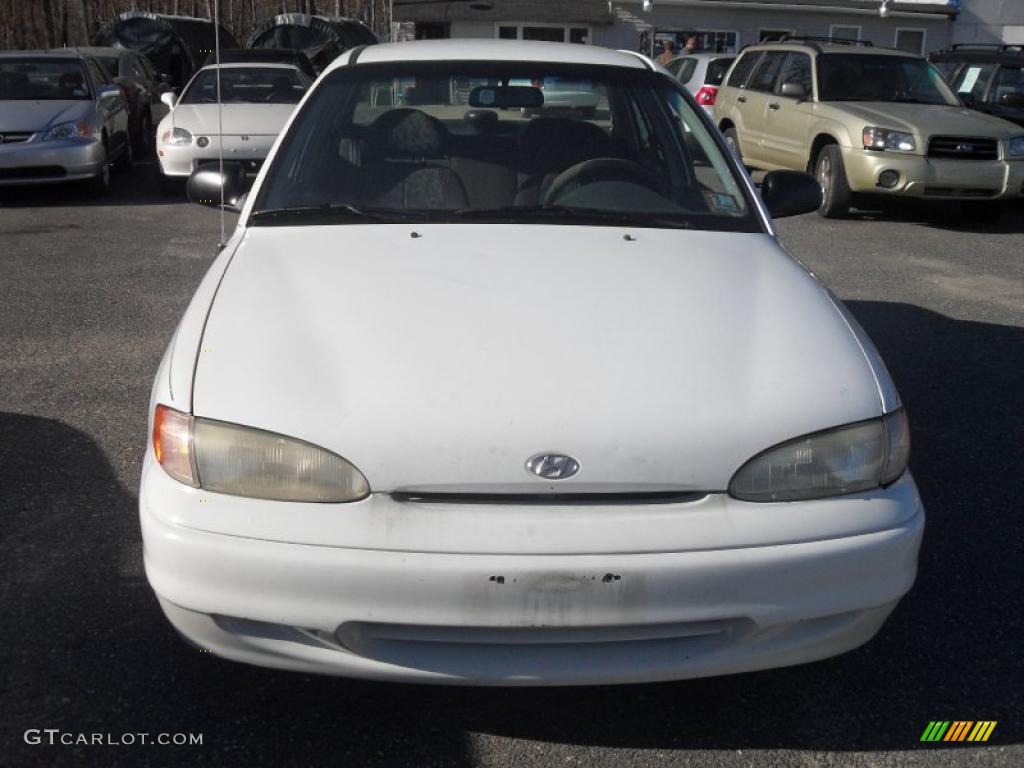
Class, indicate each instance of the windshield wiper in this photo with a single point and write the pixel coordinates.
(569, 212)
(332, 212)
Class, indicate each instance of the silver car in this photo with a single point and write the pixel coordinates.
(61, 119)
(701, 74)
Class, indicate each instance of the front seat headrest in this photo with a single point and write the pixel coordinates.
(407, 133)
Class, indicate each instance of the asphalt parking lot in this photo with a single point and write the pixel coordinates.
(90, 292)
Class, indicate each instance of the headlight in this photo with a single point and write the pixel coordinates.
(1016, 148)
(849, 459)
(241, 461)
(882, 139)
(72, 129)
(176, 137)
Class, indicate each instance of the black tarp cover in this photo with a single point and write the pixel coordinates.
(177, 45)
(321, 38)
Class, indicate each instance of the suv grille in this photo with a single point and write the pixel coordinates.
(963, 148)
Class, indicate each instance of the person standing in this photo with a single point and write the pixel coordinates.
(691, 45)
(667, 54)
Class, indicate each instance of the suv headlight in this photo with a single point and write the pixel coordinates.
(850, 459)
(242, 461)
(881, 139)
(73, 129)
(1016, 147)
(176, 137)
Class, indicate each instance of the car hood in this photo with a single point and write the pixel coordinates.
(930, 119)
(23, 116)
(443, 362)
(238, 119)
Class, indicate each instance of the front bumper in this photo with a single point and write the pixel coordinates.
(522, 619)
(182, 160)
(934, 178)
(45, 162)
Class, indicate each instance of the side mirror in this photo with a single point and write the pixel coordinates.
(1012, 99)
(794, 91)
(205, 184)
(790, 193)
(106, 91)
(168, 98)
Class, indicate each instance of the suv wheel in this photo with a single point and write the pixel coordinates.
(733, 140)
(835, 190)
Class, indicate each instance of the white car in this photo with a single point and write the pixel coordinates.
(702, 75)
(256, 101)
(517, 401)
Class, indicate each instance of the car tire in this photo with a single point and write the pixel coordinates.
(127, 158)
(732, 139)
(99, 185)
(978, 212)
(144, 138)
(830, 172)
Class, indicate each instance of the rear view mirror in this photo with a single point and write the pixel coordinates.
(205, 184)
(1012, 99)
(794, 91)
(506, 97)
(790, 193)
(168, 98)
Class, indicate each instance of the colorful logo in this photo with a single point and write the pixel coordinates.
(958, 730)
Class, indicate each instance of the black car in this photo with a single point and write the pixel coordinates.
(142, 88)
(989, 78)
(265, 56)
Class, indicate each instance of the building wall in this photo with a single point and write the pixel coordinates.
(991, 21)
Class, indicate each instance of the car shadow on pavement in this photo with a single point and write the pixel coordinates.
(84, 647)
(943, 215)
(135, 187)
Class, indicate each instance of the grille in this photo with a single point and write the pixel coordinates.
(963, 148)
(32, 172)
(551, 499)
(14, 138)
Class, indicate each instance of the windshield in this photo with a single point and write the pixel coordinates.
(246, 85)
(502, 142)
(33, 79)
(864, 77)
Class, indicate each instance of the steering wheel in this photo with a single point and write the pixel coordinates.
(599, 169)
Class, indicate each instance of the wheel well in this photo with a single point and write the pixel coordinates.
(821, 141)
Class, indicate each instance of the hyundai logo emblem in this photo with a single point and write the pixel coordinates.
(553, 466)
(965, 147)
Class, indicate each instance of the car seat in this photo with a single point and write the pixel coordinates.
(550, 145)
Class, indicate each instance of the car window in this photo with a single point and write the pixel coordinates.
(716, 70)
(798, 71)
(38, 79)
(1009, 81)
(111, 64)
(880, 77)
(947, 69)
(767, 71)
(739, 73)
(973, 80)
(596, 145)
(686, 69)
(241, 85)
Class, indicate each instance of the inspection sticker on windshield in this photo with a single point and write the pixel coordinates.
(720, 202)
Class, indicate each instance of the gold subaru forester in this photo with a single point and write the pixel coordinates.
(866, 121)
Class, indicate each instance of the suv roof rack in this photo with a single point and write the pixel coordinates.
(997, 47)
(829, 40)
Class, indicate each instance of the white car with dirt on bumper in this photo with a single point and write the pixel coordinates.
(255, 103)
(519, 401)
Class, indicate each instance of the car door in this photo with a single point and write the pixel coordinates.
(760, 91)
(111, 107)
(788, 118)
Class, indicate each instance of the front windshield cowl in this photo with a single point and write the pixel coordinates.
(471, 142)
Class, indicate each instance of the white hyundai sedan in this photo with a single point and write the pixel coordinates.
(476, 397)
(256, 101)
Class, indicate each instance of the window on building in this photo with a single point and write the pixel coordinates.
(844, 32)
(910, 40)
(551, 33)
(708, 40)
(431, 30)
(771, 35)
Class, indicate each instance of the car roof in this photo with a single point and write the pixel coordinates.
(108, 50)
(705, 56)
(1009, 54)
(252, 65)
(816, 47)
(494, 50)
(57, 53)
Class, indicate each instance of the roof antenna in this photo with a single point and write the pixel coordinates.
(220, 113)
